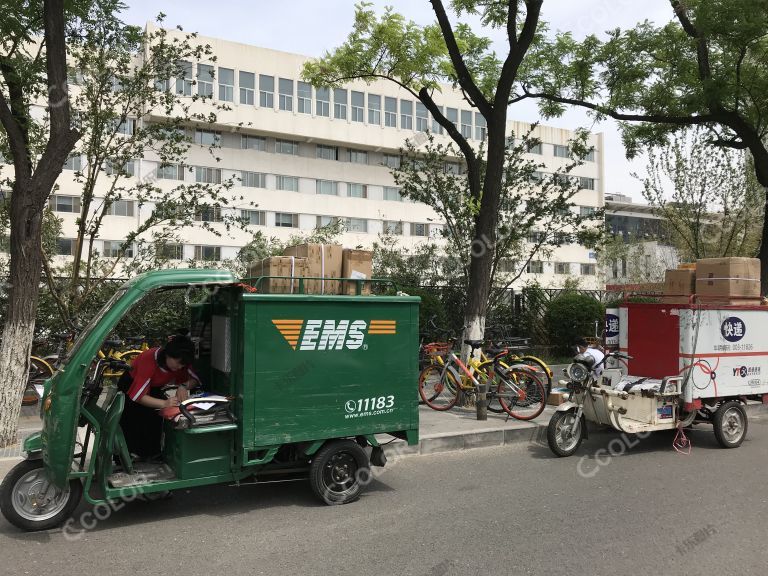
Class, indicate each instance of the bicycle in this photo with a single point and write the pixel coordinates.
(517, 388)
(500, 339)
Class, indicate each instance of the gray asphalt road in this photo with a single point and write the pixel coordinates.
(507, 510)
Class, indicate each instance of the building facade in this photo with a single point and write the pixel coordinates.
(302, 157)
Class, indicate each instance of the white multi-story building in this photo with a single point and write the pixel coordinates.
(303, 156)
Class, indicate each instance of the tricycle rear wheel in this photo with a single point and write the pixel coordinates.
(561, 440)
(29, 501)
(730, 424)
(339, 471)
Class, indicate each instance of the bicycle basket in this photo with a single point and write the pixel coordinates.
(437, 348)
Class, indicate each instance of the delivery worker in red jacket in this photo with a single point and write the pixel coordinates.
(150, 371)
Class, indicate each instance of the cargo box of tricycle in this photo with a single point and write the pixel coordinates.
(310, 367)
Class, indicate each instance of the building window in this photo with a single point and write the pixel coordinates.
(248, 142)
(390, 112)
(170, 172)
(374, 109)
(507, 265)
(586, 183)
(170, 251)
(323, 100)
(437, 128)
(127, 127)
(358, 111)
(247, 87)
(535, 267)
(562, 238)
(114, 249)
(185, 81)
(588, 269)
(481, 127)
(419, 229)
(74, 162)
(286, 94)
(392, 193)
(69, 204)
(392, 161)
(327, 152)
(536, 177)
(393, 228)
(121, 208)
(285, 220)
(327, 187)
(205, 80)
(358, 156)
(113, 169)
(289, 183)
(66, 246)
(357, 191)
(323, 221)
(452, 168)
(287, 147)
(452, 114)
(253, 179)
(208, 214)
(562, 267)
(254, 217)
(340, 103)
(356, 225)
(406, 114)
(207, 137)
(422, 118)
(466, 123)
(590, 157)
(536, 237)
(266, 91)
(535, 148)
(207, 175)
(304, 97)
(210, 253)
(561, 151)
(226, 85)
(586, 210)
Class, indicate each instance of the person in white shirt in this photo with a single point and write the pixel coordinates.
(584, 348)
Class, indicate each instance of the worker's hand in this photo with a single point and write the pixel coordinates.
(182, 393)
(170, 402)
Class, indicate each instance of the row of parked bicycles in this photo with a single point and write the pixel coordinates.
(42, 367)
(516, 383)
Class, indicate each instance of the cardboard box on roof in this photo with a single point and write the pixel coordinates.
(679, 282)
(279, 266)
(358, 265)
(323, 261)
(728, 277)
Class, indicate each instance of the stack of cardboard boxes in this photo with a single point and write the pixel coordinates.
(715, 281)
(315, 262)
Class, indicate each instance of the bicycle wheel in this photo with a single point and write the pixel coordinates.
(39, 372)
(541, 369)
(128, 356)
(494, 405)
(438, 389)
(521, 393)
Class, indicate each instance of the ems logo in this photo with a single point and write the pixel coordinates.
(331, 334)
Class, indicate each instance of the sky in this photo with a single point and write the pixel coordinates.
(311, 27)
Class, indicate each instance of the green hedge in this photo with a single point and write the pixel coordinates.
(571, 316)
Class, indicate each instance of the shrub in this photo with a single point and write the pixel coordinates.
(572, 316)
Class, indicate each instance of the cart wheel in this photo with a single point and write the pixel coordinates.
(337, 470)
(562, 441)
(730, 423)
(30, 502)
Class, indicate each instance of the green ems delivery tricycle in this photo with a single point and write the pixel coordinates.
(302, 385)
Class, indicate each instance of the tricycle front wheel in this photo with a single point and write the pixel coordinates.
(339, 471)
(29, 501)
(564, 434)
(730, 424)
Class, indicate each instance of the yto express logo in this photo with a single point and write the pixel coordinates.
(745, 371)
(733, 329)
(331, 334)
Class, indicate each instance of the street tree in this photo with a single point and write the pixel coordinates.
(33, 68)
(419, 59)
(706, 67)
(132, 100)
(707, 196)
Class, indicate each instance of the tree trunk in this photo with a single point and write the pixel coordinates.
(24, 278)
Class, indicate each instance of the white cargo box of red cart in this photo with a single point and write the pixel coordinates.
(724, 348)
